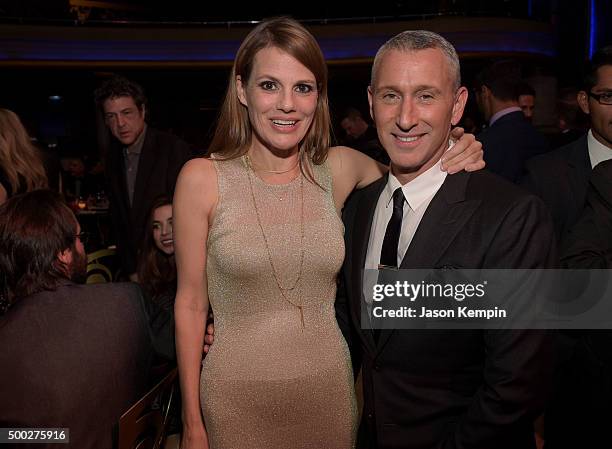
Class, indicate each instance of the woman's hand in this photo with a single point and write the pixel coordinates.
(466, 154)
(209, 337)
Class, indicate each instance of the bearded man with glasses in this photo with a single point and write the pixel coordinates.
(73, 356)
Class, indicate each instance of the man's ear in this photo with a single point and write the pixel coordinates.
(143, 110)
(240, 90)
(370, 101)
(583, 101)
(460, 101)
(65, 257)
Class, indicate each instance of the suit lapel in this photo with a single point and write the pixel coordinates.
(445, 217)
(362, 228)
(147, 160)
(579, 165)
(118, 180)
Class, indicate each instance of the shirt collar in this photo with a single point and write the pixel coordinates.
(417, 191)
(136, 147)
(598, 152)
(500, 114)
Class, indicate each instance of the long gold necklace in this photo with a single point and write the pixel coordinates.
(283, 290)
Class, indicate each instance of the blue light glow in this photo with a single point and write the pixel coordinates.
(530, 8)
(334, 48)
(593, 30)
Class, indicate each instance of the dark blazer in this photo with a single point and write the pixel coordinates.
(561, 178)
(584, 382)
(451, 389)
(588, 244)
(162, 157)
(508, 143)
(77, 357)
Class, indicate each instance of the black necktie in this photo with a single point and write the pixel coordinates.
(388, 255)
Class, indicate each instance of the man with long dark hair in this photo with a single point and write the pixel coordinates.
(73, 356)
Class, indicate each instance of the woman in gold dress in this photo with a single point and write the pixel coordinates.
(258, 236)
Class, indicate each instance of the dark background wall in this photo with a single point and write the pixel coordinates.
(52, 55)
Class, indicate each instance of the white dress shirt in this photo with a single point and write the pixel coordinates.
(598, 152)
(418, 193)
(500, 114)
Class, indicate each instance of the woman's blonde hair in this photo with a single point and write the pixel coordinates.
(233, 134)
(19, 158)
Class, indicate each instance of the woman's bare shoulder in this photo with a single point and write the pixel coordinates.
(198, 178)
(353, 168)
(198, 171)
(339, 151)
(341, 158)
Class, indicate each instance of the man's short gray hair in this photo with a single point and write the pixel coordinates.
(414, 40)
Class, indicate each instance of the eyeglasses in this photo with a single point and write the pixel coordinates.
(83, 236)
(605, 98)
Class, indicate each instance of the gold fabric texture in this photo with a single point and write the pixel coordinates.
(269, 382)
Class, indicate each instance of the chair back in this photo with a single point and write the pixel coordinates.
(143, 426)
(100, 266)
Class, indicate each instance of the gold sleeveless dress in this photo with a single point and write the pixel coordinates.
(279, 373)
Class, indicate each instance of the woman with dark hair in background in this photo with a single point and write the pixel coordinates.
(21, 164)
(157, 276)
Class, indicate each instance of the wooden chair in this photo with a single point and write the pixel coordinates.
(100, 266)
(143, 426)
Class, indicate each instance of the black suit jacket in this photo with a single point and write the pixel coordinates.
(508, 143)
(581, 409)
(588, 244)
(77, 357)
(451, 389)
(561, 178)
(162, 157)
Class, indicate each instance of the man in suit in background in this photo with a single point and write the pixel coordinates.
(580, 410)
(361, 136)
(588, 244)
(510, 139)
(427, 389)
(572, 123)
(73, 356)
(527, 100)
(142, 164)
(561, 177)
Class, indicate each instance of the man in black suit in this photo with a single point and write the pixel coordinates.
(142, 164)
(73, 356)
(561, 177)
(510, 139)
(580, 410)
(427, 389)
(589, 242)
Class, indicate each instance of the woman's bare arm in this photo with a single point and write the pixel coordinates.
(351, 170)
(194, 203)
